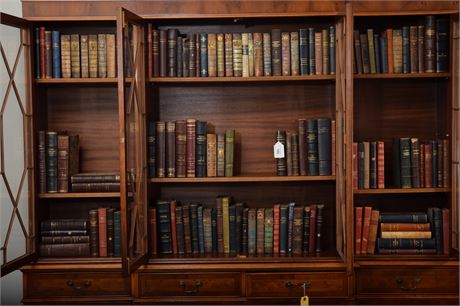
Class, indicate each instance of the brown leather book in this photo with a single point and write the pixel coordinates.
(319, 52)
(220, 226)
(101, 56)
(260, 231)
(403, 227)
(258, 55)
(187, 228)
(181, 148)
(74, 154)
(228, 54)
(397, 51)
(192, 56)
(84, 55)
(374, 224)
(75, 55)
(149, 51)
(276, 52)
(211, 155)
(163, 53)
(251, 54)
(220, 55)
(422, 165)
(267, 54)
(160, 148)
(297, 234)
(191, 139)
(389, 34)
(245, 52)
(421, 48)
(170, 146)
(288, 150)
(312, 237)
(380, 164)
(358, 229)
(48, 55)
(42, 161)
(198, 55)
(295, 63)
(365, 229)
(237, 55)
(155, 51)
(229, 152)
(96, 187)
(358, 56)
(92, 56)
(94, 232)
(172, 209)
(430, 43)
(102, 221)
(445, 163)
(65, 250)
(413, 49)
(406, 234)
(220, 154)
(286, 53)
(295, 153)
(446, 231)
(325, 46)
(276, 229)
(65, 56)
(111, 56)
(153, 236)
(212, 55)
(63, 163)
(440, 164)
(207, 230)
(428, 166)
(42, 53)
(302, 147)
(172, 52)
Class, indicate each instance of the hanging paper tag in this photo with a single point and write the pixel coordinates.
(278, 150)
(304, 301)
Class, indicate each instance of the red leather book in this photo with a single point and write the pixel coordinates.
(312, 242)
(366, 225)
(153, 231)
(445, 163)
(191, 137)
(373, 231)
(422, 165)
(181, 148)
(333, 141)
(446, 231)
(404, 227)
(380, 164)
(42, 53)
(102, 220)
(428, 166)
(358, 229)
(355, 165)
(276, 229)
(172, 208)
(149, 50)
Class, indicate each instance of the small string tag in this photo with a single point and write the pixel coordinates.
(278, 150)
(304, 300)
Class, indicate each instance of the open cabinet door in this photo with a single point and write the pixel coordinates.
(131, 103)
(17, 195)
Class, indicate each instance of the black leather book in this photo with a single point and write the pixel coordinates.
(232, 222)
(415, 162)
(281, 163)
(164, 227)
(110, 232)
(200, 149)
(172, 52)
(180, 231)
(405, 156)
(434, 163)
(406, 49)
(151, 133)
(117, 233)
(214, 230)
(203, 54)
(311, 51)
(442, 45)
(283, 229)
(64, 224)
(51, 162)
(414, 217)
(194, 228)
(276, 52)
(179, 57)
(324, 146)
(303, 52)
(93, 233)
(437, 229)
(312, 147)
(396, 159)
(199, 219)
(361, 165)
(405, 243)
(358, 54)
(306, 229)
(185, 57)
(319, 227)
(373, 165)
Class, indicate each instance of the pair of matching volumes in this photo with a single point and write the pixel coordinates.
(96, 182)
(191, 229)
(74, 56)
(185, 148)
(105, 232)
(368, 165)
(411, 49)
(58, 159)
(310, 151)
(303, 52)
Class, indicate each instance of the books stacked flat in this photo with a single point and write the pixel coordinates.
(368, 165)
(96, 182)
(65, 238)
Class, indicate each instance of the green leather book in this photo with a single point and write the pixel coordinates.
(268, 231)
(229, 147)
(226, 224)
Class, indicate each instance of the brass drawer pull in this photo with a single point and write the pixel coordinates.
(415, 282)
(305, 285)
(198, 285)
(71, 284)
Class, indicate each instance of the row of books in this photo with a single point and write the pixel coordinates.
(303, 52)
(95, 182)
(231, 228)
(310, 151)
(98, 237)
(411, 49)
(368, 165)
(185, 148)
(74, 56)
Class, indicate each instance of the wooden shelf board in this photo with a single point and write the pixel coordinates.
(77, 81)
(241, 179)
(401, 190)
(176, 80)
(401, 75)
(78, 195)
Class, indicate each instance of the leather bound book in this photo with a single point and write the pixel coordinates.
(252, 230)
(200, 148)
(260, 231)
(268, 231)
(207, 230)
(276, 229)
(365, 229)
(283, 229)
(297, 231)
(96, 177)
(187, 229)
(244, 232)
(179, 54)
(318, 53)
(358, 52)
(75, 55)
(96, 187)
(420, 48)
(258, 55)
(42, 161)
(373, 165)
(325, 46)
(111, 56)
(440, 165)
(378, 63)
(149, 51)
(56, 53)
(220, 225)
(415, 161)
(194, 229)
(151, 134)
(181, 147)
(373, 227)
(232, 228)
(371, 49)
(413, 49)
(361, 158)
(37, 52)
(156, 53)
(406, 49)
(80, 232)
(42, 53)
(276, 52)
(384, 52)
(302, 147)
(288, 149)
(267, 50)
(172, 52)
(358, 229)
(415, 217)
(397, 51)
(192, 69)
(404, 227)
(319, 227)
(164, 227)
(295, 68)
(51, 161)
(406, 173)
(190, 138)
(226, 224)
(306, 229)
(92, 56)
(380, 164)
(220, 154)
(355, 166)
(237, 55)
(312, 237)
(203, 55)
(312, 147)
(442, 45)
(434, 163)
(333, 144)
(170, 146)
(422, 166)
(84, 55)
(445, 163)
(406, 234)
(180, 242)
(332, 49)
(228, 54)
(163, 38)
(445, 231)
(229, 154)
(245, 53)
(102, 222)
(303, 52)
(214, 230)
(311, 51)
(110, 231)
(198, 55)
(220, 55)
(389, 39)
(153, 235)
(290, 226)
(117, 233)
(160, 148)
(212, 55)
(406, 243)
(396, 163)
(64, 224)
(172, 208)
(185, 57)
(281, 163)
(93, 232)
(407, 251)
(200, 229)
(251, 54)
(295, 154)
(324, 146)
(430, 43)
(101, 55)
(48, 55)
(65, 56)
(65, 250)
(428, 166)
(211, 164)
(63, 163)
(238, 223)
(64, 239)
(365, 53)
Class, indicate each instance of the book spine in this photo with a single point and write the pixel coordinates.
(365, 53)
(406, 50)
(430, 43)
(405, 243)
(65, 56)
(442, 45)
(92, 56)
(252, 229)
(396, 163)
(212, 55)
(179, 231)
(172, 212)
(65, 250)
(302, 147)
(434, 163)
(281, 163)
(149, 51)
(200, 229)
(151, 143)
(179, 55)
(170, 146)
(295, 69)
(415, 161)
(439, 162)
(437, 230)
(445, 163)
(290, 226)
(251, 54)
(84, 55)
(245, 53)
(319, 227)
(260, 231)
(198, 55)
(358, 229)
(111, 56)
(324, 146)
(268, 231)
(232, 228)
(384, 53)
(306, 229)
(155, 53)
(389, 36)
(226, 225)
(311, 51)
(318, 53)
(421, 48)
(297, 231)
(64, 232)
(75, 55)
(371, 49)
(276, 229)
(267, 50)
(358, 52)
(397, 51)
(211, 155)
(164, 227)
(37, 52)
(194, 229)
(377, 47)
(312, 237)
(160, 148)
(220, 154)
(102, 55)
(380, 164)
(42, 153)
(295, 154)
(200, 149)
(312, 147)
(237, 45)
(42, 53)
(355, 165)
(190, 139)
(220, 55)
(93, 232)
(163, 53)
(219, 225)
(288, 153)
(180, 148)
(229, 154)
(64, 224)
(413, 42)
(276, 52)
(402, 227)
(64, 239)
(117, 234)
(187, 230)
(325, 45)
(422, 165)
(428, 165)
(63, 163)
(373, 228)
(446, 231)
(406, 234)
(406, 251)
(48, 55)
(238, 230)
(361, 168)
(258, 55)
(153, 236)
(404, 147)
(193, 68)
(283, 229)
(403, 218)
(56, 51)
(303, 52)
(228, 54)
(207, 229)
(172, 52)
(51, 161)
(214, 230)
(365, 229)
(332, 49)
(110, 228)
(244, 231)
(102, 223)
(373, 165)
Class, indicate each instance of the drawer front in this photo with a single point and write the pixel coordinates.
(189, 284)
(319, 284)
(407, 281)
(76, 284)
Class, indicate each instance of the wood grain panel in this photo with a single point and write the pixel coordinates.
(403, 7)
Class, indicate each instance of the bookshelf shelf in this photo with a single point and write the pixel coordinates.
(401, 190)
(76, 81)
(264, 79)
(241, 179)
(402, 75)
(79, 195)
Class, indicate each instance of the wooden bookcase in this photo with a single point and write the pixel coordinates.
(112, 122)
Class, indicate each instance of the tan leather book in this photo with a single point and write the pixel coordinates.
(92, 55)
(251, 54)
(101, 56)
(75, 55)
(84, 56)
(258, 55)
(326, 60)
(228, 54)
(295, 64)
(245, 52)
(212, 55)
(220, 55)
(237, 55)
(411, 235)
(397, 51)
(111, 56)
(65, 56)
(285, 53)
(211, 155)
(319, 52)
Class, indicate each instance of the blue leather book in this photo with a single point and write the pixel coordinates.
(332, 49)
(56, 51)
(406, 49)
(203, 54)
(384, 54)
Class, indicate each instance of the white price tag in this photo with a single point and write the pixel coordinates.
(278, 150)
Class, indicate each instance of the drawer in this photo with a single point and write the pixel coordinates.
(319, 284)
(76, 284)
(189, 284)
(406, 281)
